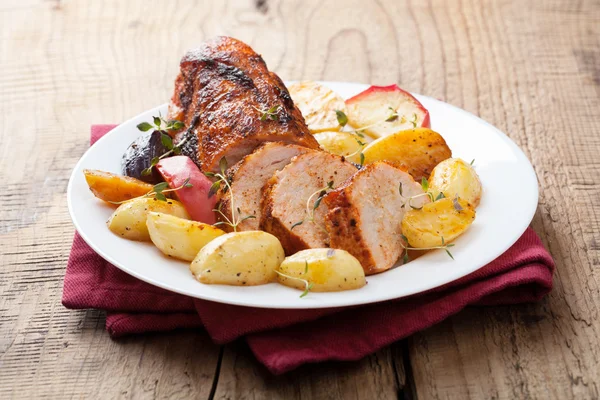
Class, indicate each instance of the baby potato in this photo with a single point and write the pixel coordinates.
(446, 218)
(178, 237)
(328, 270)
(318, 104)
(129, 220)
(456, 178)
(239, 258)
(341, 143)
(418, 150)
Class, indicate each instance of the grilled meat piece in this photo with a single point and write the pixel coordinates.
(249, 176)
(365, 215)
(231, 103)
(287, 192)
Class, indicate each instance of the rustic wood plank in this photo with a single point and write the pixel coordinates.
(374, 377)
(91, 62)
(530, 68)
(540, 85)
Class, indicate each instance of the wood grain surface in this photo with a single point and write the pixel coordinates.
(532, 68)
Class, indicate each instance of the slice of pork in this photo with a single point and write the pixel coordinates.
(250, 175)
(365, 215)
(286, 195)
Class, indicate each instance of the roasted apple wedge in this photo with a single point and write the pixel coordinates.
(383, 110)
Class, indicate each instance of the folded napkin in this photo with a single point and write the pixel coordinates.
(285, 339)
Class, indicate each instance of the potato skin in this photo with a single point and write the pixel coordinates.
(329, 270)
(416, 150)
(239, 258)
(426, 227)
(112, 187)
(456, 178)
(129, 220)
(178, 237)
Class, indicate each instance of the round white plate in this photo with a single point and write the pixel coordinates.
(509, 201)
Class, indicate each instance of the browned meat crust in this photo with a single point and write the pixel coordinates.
(221, 88)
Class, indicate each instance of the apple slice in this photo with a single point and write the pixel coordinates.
(175, 170)
(383, 110)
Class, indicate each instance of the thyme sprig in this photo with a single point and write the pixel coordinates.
(162, 126)
(310, 210)
(158, 191)
(405, 247)
(393, 116)
(234, 221)
(307, 285)
(271, 113)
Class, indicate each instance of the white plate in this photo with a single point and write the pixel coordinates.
(509, 201)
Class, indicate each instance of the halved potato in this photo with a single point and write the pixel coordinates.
(446, 218)
(239, 258)
(317, 104)
(418, 150)
(112, 187)
(456, 178)
(328, 270)
(341, 143)
(129, 220)
(178, 237)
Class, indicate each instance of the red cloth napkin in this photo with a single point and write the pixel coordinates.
(285, 339)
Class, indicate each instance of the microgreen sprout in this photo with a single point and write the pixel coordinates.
(158, 191)
(342, 118)
(162, 126)
(271, 113)
(235, 220)
(414, 120)
(307, 285)
(405, 247)
(310, 210)
(393, 116)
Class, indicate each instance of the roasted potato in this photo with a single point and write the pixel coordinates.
(129, 220)
(456, 178)
(239, 258)
(317, 104)
(341, 143)
(178, 237)
(327, 270)
(113, 187)
(418, 150)
(446, 218)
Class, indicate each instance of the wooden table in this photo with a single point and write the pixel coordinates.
(532, 68)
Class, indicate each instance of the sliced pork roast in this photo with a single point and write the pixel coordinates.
(231, 103)
(285, 199)
(249, 176)
(365, 214)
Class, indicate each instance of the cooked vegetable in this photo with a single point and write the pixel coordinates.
(112, 187)
(178, 237)
(138, 157)
(318, 105)
(341, 143)
(129, 220)
(454, 177)
(239, 259)
(322, 270)
(195, 199)
(418, 150)
(437, 223)
(383, 110)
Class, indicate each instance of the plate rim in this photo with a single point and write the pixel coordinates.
(281, 305)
